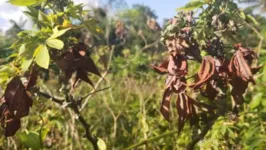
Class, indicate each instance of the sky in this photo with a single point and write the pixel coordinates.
(163, 9)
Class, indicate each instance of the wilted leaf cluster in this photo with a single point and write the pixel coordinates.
(214, 75)
(16, 102)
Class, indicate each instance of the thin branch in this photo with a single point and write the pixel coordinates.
(86, 126)
(45, 95)
(101, 79)
(40, 132)
(95, 91)
(95, 87)
(254, 29)
(152, 139)
(260, 36)
(74, 106)
(150, 45)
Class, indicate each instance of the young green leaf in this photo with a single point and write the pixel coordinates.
(55, 43)
(101, 144)
(191, 5)
(26, 64)
(31, 139)
(59, 33)
(22, 49)
(252, 19)
(42, 17)
(242, 15)
(25, 2)
(256, 100)
(42, 56)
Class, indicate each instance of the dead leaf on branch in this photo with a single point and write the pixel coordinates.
(32, 77)
(17, 98)
(177, 65)
(240, 72)
(187, 109)
(16, 104)
(176, 68)
(238, 66)
(165, 105)
(239, 87)
(205, 73)
(77, 60)
(162, 68)
(83, 75)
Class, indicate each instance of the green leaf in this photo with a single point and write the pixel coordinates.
(263, 102)
(256, 100)
(7, 69)
(3, 78)
(191, 5)
(42, 17)
(25, 2)
(12, 55)
(55, 43)
(26, 64)
(101, 144)
(59, 33)
(242, 15)
(252, 19)
(44, 133)
(30, 139)
(22, 49)
(42, 56)
(203, 53)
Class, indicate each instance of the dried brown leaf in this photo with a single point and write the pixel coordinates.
(12, 127)
(165, 105)
(243, 69)
(162, 68)
(87, 64)
(211, 91)
(205, 73)
(16, 105)
(239, 87)
(32, 78)
(177, 65)
(255, 70)
(17, 98)
(181, 110)
(83, 75)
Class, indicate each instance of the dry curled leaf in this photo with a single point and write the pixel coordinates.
(239, 87)
(240, 72)
(16, 104)
(32, 78)
(165, 105)
(239, 67)
(77, 60)
(205, 73)
(187, 109)
(177, 65)
(83, 75)
(162, 68)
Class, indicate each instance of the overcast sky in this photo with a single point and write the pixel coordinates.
(163, 9)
